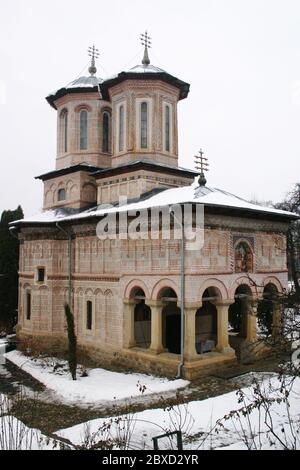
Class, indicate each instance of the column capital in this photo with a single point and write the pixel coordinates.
(154, 303)
(129, 302)
(190, 305)
(224, 303)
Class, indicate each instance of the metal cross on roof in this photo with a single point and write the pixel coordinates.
(201, 164)
(94, 54)
(146, 42)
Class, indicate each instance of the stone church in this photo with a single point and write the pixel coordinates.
(141, 304)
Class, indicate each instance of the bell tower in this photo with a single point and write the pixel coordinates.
(144, 112)
(84, 133)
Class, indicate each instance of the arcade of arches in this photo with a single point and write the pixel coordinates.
(213, 325)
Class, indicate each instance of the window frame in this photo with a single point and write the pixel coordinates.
(106, 139)
(83, 139)
(144, 125)
(28, 305)
(167, 127)
(121, 128)
(89, 315)
(39, 270)
(59, 197)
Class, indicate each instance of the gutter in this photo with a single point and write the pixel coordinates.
(69, 236)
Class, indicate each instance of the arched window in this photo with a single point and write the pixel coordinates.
(61, 194)
(144, 125)
(243, 258)
(65, 131)
(89, 315)
(106, 132)
(83, 129)
(121, 128)
(167, 128)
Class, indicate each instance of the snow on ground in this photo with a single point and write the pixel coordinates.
(100, 385)
(197, 419)
(15, 435)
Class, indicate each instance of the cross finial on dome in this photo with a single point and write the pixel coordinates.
(94, 54)
(146, 42)
(202, 165)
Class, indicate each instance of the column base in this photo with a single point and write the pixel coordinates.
(156, 350)
(226, 350)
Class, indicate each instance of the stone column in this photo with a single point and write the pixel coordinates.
(251, 319)
(222, 327)
(156, 345)
(277, 321)
(129, 340)
(190, 310)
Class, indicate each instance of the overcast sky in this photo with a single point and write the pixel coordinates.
(241, 57)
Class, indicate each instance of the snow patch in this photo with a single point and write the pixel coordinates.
(99, 386)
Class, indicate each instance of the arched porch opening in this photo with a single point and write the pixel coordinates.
(171, 321)
(242, 320)
(239, 309)
(268, 310)
(206, 328)
(142, 319)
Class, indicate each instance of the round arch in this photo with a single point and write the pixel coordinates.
(164, 284)
(218, 286)
(83, 107)
(135, 284)
(243, 280)
(274, 281)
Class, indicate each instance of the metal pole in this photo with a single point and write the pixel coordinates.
(182, 289)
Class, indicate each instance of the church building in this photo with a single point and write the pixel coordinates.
(144, 304)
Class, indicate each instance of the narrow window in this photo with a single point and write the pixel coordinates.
(106, 133)
(89, 315)
(144, 125)
(28, 305)
(121, 128)
(61, 195)
(167, 128)
(83, 129)
(41, 274)
(66, 132)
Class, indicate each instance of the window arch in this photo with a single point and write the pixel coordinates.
(121, 128)
(144, 125)
(243, 258)
(167, 128)
(106, 132)
(83, 129)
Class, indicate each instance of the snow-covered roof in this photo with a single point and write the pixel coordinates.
(210, 197)
(79, 84)
(141, 68)
(82, 82)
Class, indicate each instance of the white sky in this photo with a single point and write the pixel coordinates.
(241, 57)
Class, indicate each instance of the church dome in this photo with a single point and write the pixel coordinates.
(79, 85)
(145, 70)
(83, 84)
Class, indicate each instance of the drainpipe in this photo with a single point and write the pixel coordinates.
(182, 292)
(69, 236)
